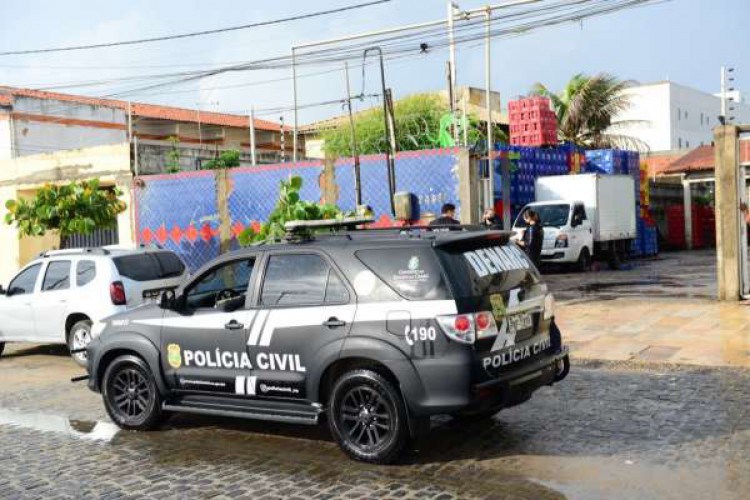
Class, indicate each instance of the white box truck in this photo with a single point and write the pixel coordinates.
(585, 217)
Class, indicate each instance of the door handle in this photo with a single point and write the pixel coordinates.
(234, 325)
(334, 322)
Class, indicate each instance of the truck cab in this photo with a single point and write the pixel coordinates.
(568, 235)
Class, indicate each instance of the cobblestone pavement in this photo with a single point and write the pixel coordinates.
(608, 431)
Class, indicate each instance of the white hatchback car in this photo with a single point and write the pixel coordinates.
(56, 298)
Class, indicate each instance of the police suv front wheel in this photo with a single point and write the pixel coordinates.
(130, 394)
(367, 417)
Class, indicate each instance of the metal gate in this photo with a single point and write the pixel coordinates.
(99, 238)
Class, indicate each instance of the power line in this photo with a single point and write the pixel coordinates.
(195, 33)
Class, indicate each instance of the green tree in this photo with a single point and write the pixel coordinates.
(420, 120)
(289, 207)
(77, 207)
(227, 159)
(586, 109)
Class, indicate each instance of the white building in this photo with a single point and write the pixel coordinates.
(667, 116)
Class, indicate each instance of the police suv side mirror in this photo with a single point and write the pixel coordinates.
(168, 300)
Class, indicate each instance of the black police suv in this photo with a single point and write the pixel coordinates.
(376, 330)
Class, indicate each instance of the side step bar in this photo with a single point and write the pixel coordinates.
(308, 415)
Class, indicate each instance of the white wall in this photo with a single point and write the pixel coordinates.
(674, 116)
(647, 119)
(6, 138)
(57, 132)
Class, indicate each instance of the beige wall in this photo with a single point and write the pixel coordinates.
(22, 176)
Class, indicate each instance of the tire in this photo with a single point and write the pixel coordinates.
(614, 260)
(564, 370)
(367, 417)
(2, 348)
(584, 260)
(79, 337)
(130, 394)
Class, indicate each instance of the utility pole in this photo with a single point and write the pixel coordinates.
(294, 91)
(283, 140)
(390, 148)
(355, 153)
(490, 187)
(726, 79)
(452, 66)
(252, 137)
(130, 122)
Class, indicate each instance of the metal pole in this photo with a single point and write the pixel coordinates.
(392, 137)
(252, 137)
(464, 123)
(452, 67)
(130, 122)
(388, 153)
(355, 153)
(283, 140)
(723, 92)
(487, 94)
(294, 90)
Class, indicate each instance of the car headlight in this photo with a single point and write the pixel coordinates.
(97, 329)
(561, 241)
(549, 306)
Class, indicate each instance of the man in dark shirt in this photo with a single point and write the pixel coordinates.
(447, 216)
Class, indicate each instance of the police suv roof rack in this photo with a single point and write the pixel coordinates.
(301, 229)
(74, 251)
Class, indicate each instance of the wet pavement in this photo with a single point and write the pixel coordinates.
(609, 430)
(638, 426)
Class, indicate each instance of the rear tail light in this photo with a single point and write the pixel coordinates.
(466, 328)
(458, 327)
(117, 293)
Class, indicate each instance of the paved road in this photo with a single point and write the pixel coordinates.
(607, 431)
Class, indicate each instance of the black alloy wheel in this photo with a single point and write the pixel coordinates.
(368, 418)
(130, 394)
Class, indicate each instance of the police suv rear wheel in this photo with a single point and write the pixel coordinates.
(130, 394)
(368, 417)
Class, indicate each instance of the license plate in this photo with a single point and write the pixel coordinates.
(519, 322)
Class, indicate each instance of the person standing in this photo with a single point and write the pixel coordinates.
(490, 220)
(533, 237)
(447, 216)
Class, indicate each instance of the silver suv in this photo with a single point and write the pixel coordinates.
(57, 297)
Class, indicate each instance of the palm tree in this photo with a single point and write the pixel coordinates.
(586, 109)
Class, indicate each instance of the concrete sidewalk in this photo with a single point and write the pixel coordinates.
(658, 330)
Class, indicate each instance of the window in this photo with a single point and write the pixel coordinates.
(301, 279)
(579, 214)
(149, 266)
(223, 285)
(85, 272)
(686, 114)
(171, 265)
(679, 143)
(57, 276)
(413, 273)
(687, 143)
(679, 114)
(25, 281)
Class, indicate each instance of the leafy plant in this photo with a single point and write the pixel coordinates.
(77, 207)
(422, 122)
(289, 207)
(586, 110)
(173, 155)
(227, 159)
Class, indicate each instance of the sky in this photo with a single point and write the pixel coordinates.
(686, 41)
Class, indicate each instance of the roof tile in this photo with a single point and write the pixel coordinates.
(141, 109)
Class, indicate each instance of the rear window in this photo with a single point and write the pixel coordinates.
(413, 273)
(483, 269)
(149, 266)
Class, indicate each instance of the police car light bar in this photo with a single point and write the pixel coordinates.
(299, 225)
